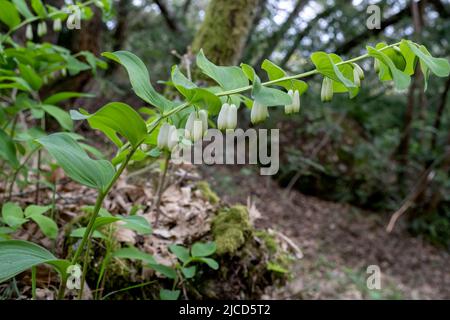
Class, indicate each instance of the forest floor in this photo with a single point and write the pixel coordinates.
(338, 242)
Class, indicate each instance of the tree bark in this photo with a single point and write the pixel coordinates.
(224, 31)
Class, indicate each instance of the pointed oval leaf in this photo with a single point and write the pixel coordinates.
(17, 256)
(116, 117)
(139, 78)
(200, 249)
(76, 163)
(227, 77)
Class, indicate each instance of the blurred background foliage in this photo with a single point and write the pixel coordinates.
(382, 150)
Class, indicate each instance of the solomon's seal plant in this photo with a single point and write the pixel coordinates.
(24, 70)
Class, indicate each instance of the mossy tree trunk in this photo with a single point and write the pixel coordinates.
(224, 31)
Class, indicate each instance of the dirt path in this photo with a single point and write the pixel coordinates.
(339, 242)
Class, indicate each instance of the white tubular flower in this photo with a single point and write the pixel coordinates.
(288, 107)
(356, 78)
(29, 32)
(197, 130)
(42, 29)
(295, 105)
(196, 125)
(163, 135)
(231, 119)
(57, 25)
(64, 72)
(326, 93)
(376, 65)
(189, 125)
(359, 70)
(172, 137)
(259, 113)
(227, 117)
(222, 118)
(203, 116)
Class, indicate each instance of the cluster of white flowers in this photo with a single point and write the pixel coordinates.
(197, 122)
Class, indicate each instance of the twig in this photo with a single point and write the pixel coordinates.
(157, 202)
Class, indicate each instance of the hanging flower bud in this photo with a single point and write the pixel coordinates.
(227, 117)
(29, 32)
(203, 116)
(376, 65)
(359, 70)
(326, 93)
(167, 137)
(191, 129)
(162, 135)
(172, 137)
(64, 72)
(222, 118)
(42, 29)
(231, 120)
(57, 25)
(356, 78)
(197, 130)
(295, 105)
(259, 113)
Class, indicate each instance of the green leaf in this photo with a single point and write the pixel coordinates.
(34, 210)
(30, 76)
(210, 262)
(326, 65)
(139, 78)
(409, 56)
(195, 95)
(39, 8)
(8, 149)
(273, 71)
(439, 66)
(200, 249)
(401, 80)
(164, 270)
(47, 225)
(110, 120)
(22, 7)
(227, 77)
(9, 14)
(189, 272)
(12, 215)
(76, 163)
(17, 256)
(134, 254)
(181, 252)
(60, 115)
(138, 224)
(60, 96)
(165, 294)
